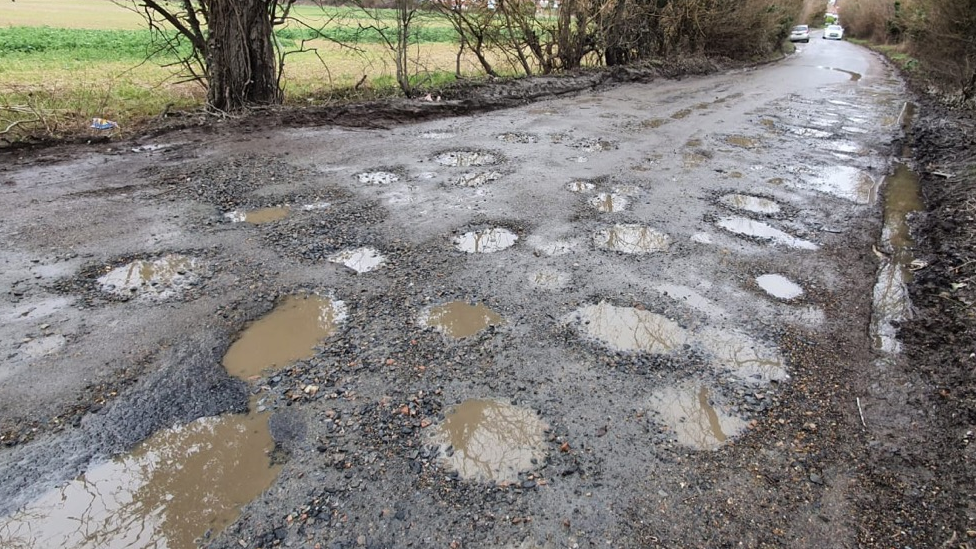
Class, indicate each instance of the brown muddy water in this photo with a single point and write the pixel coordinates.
(259, 216)
(485, 241)
(288, 333)
(158, 279)
(171, 490)
(458, 319)
(489, 440)
(696, 422)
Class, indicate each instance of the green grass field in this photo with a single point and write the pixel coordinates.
(63, 62)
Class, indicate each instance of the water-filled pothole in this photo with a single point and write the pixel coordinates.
(476, 179)
(156, 279)
(459, 319)
(378, 178)
(695, 420)
(749, 203)
(847, 182)
(466, 158)
(361, 260)
(631, 239)
(742, 356)
(488, 440)
(609, 202)
(258, 216)
(779, 286)
(580, 186)
(172, 489)
(748, 227)
(485, 241)
(629, 329)
(290, 332)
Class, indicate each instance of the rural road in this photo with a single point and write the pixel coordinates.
(629, 318)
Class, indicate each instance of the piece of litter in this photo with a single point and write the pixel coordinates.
(103, 124)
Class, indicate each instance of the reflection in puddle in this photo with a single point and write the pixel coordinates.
(485, 241)
(779, 286)
(696, 422)
(476, 179)
(288, 333)
(631, 239)
(748, 227)
(629, 329)
(744, 357)
(487, 440)
(750, 203)
(580, 186)
(466, 158)
(608, 202)
(808, 132)
(848, 147)
(361, 260)
(158, 279)
(378, 178)
(259, 216)
(458, 319)
(691, 298)
(549, 279)
(847, 182)
(174, 487)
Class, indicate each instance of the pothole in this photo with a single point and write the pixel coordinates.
(749, 203)
(466, 158)
(459, 319)
(779, 286)
(609, 202)
(695, 420)
(488, 440)
(515, 137)
(629, 329)
(290, 332)
(742, 141)
(476, 179)
(595, 145)
(361, 260)
(156, 279)
(846, 182)
(580, 186)
(485, 241)
(172, 489)
(745, 358)
(756, 229)
(631, 239)
(377, 178)
(549, 279)
(258, 216)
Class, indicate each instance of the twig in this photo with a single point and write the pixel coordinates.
(860, 411)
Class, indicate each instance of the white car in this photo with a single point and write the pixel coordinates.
(834, 32)
(800, 33)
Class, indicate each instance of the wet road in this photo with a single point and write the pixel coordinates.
(626, 270)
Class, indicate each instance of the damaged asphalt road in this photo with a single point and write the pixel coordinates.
(635, 317)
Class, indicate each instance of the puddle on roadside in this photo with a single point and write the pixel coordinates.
(172, 489)
(378, 178)
(691, 298)
(629, 329)
(748, 227)
(779, 286)
(750, 203)
(466, 158)
(158, 279)
(361, 260)
(744, 357)
(580, 186)
(488, 440)
(846, 182)
(631, 239)
(290, 332)
(258, 216)
(803, 131)
(609, 202)
(549, 279)
(742, 141)
(892, 304)
(485, 241)
(476, 179)
(681, 114)
(848, 147)
(459, 319)
(696, 422)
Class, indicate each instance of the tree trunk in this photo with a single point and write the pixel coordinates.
(240, 55)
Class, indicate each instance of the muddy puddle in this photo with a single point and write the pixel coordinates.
(846, 182)
(485, 241)
(361, 260)
(156, 279)
(258, 216)
(173, 489)
(459, 319)
(696, 422)
(747, 227)
(476, 179)
(489, 440)
(629, 329)
(290, 332)
(466, 158)
(750, 203)
(609, 202)
(377, 178)
(779, 286)
(631, 239)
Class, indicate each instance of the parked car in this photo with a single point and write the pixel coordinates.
(800, 33)
(834, 32)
